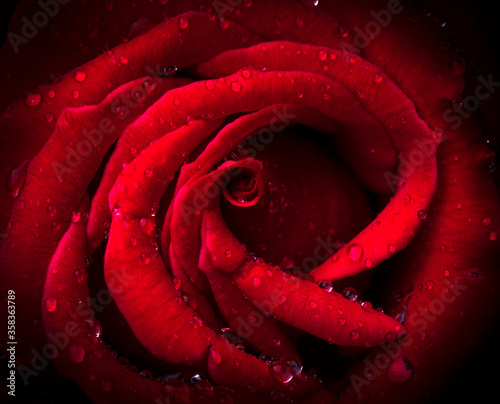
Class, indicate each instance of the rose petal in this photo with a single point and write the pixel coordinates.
(326, 315)
(56, 180)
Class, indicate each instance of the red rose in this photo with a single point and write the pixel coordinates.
(213, 203)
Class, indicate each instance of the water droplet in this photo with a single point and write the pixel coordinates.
(350, 294)
(282, 371)
(55, 225)
(216, 357)
(95, 330)
(486, 221)
(123, 60)
(493, 235)
(286, 262)
(400, 370)
(354, 334)
(256, 281)
(326, 286)
(51, 210)
(422, 214)
(75, 94)
(183, 23)
(51, 93)
(146, 374)
(80, 75)
(76, 353)
(235, 86)
(391, 248)
(377, 78)
(32, 99)
(367, 306)
(209, 84)
(368, 263)
(148, 173)
(429, 284)
(145, 258)
(246, 74)
(50, 304)
(105, 385)
(354, 252)
(16, 179)
(49, 117)
(322, 55)
(177, 283)
(343, 32)
(313, 304)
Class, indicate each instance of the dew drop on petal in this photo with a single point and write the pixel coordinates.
(216, 357)
(183, 23)
(354, 334)
(322, 55)
(177, 283)
(76, 353)
(105, 385)
(16, 179)
(493, 235)
(145, 259)
(377, 78)
(350, 294)
(256, 281)
(400, 370)
(50, 304)
(80, 75)
(235, 86)
(422, 214)
(282, 371)
(354, 252)
(32, 99)
(246, 74)
(326, 286)
(486, 221)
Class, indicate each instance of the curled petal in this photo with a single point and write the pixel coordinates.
(329, 316)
